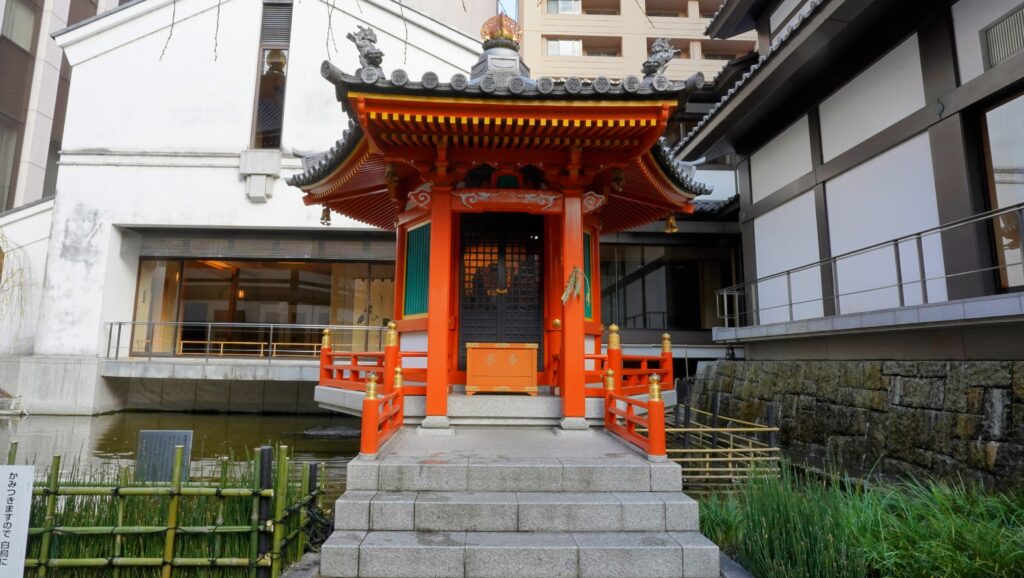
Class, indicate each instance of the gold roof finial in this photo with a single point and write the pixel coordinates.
(501, 26)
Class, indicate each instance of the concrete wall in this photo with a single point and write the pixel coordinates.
(969, 18)
(218, 396)
(24, 236)
(783, 160)
(787, 237)
(882, 199)
(954, 420)
(885, 93)
(165, 152)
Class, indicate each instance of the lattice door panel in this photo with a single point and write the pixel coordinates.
(500, 281)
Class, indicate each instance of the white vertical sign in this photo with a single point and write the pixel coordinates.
(15, 507)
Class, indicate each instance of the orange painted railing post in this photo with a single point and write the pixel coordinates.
(666, 360)
(655, 419)
(368, 442)
(615, 355)
(399, 398)
(325, 357)
(609, 401)
(390, 356)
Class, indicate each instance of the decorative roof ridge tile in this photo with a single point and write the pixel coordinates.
(679, 170)
(778, 42)
(328, 160)
(519, 87)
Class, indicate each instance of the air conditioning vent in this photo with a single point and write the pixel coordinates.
(277, 25)
(1005, 38)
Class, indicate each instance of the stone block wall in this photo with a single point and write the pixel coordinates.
(894, 418)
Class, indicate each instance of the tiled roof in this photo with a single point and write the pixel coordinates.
(710, 206)
(777, 43)
(316, 167)
(680, 171)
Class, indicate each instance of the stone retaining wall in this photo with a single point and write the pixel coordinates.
(920, 418)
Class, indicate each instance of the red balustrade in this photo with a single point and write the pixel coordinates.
(382, 415)
(630, 418)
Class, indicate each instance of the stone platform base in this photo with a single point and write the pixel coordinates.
(515, 502)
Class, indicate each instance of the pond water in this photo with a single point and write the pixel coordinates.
(106, 442)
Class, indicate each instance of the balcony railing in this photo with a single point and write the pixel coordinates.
(269, 341)
(907, 281)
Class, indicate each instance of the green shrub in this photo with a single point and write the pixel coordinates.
(801, 528)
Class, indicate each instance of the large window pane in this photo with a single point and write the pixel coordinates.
(8, 148)
(156, 307)
(1005, 147)
(20, 23)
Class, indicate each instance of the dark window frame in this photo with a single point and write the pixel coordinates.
(259, 73)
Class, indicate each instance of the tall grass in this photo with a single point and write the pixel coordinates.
(795, 527)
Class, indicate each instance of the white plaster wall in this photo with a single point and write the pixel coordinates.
(413, 341)
(887, 197)
(153, 142)
(724, 183)
(24, 236)
(787, 238)
(888, 91)
(970, 17)
(783, 160)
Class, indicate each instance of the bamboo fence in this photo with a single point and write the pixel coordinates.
(211, 527)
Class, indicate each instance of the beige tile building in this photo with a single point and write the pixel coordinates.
(612, 37)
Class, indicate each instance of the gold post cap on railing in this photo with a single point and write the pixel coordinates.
(614, 341)
(326, 341)
(609, 380)
(557, 323)
(655, 383)
(391, 337)
(371, 385)
(666, 343)
(398, 378)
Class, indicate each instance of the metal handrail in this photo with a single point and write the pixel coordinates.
(734, 293)
(272, 340)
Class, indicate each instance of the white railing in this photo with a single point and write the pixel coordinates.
(742, 304)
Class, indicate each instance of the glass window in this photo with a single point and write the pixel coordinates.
(565, 47)
(8, 150)
(20, 23)
(1004, 145)
(564, 6)
(260, 308)
(659, 287)
(275, 37)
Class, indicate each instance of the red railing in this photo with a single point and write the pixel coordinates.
(382, 415)
(629, 418)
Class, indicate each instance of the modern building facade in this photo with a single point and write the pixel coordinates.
(609, 37)
(878, 153)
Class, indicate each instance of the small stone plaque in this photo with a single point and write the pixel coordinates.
(154, 458)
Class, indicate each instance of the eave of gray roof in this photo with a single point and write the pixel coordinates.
(327, 161)
(99, 16)
(786, 34)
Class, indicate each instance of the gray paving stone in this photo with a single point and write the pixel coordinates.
(352, 510)
(339, 555)
(611, 476)
(413, 554)
(642, 512)
(700, 555)
(466, 511)
(666, 477)
(682, 512)
(569, 512)
(535, 475)
(393, 511)
(416, 475)
(521, 555)
(628, 555)
(362, 475)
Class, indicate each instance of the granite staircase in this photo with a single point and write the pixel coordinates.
(515, 502)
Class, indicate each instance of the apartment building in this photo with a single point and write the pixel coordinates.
(612, 37)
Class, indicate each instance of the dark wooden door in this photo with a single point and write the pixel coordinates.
(500, 273)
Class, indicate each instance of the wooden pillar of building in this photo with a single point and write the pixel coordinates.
(572, 362)
(439, 308)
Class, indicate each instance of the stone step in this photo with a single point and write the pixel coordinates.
(350, 554)
(628, 473)
(516, 511)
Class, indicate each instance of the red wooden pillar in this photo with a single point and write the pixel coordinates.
(439, 304)
(572, 366)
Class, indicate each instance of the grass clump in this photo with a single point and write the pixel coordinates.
(796, 527)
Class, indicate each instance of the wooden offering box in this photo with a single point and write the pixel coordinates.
(501, 367)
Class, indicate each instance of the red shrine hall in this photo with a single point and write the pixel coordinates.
(498, 188)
